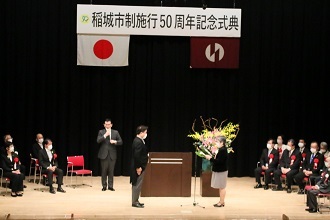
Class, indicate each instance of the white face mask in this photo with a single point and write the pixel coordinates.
(289, 148)
(279, 141)
(50, 147)
(269, 146)
(313, 150)
(10, 140)
(327, 164)
(322, 151)
(11, 149)
(40, 140)
(145, 136)
(300, 144)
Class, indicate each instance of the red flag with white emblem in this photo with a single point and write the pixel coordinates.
(102, 50)
(214, 52)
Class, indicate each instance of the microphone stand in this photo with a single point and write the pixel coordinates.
(195, 176)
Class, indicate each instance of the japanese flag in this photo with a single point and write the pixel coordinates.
(102, 50)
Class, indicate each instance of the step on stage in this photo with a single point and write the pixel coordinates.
(84, 202)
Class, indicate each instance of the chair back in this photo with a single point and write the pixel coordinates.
(76, 161)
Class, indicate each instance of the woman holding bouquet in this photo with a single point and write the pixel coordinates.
(220, 170)
(11, 169)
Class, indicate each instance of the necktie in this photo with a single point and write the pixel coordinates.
(312, 156)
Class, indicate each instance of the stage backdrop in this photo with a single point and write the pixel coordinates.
(281, 86)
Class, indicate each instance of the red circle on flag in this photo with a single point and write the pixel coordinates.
(103, 49)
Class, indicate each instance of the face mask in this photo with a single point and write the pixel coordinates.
(50, 147)
(279, 141)
(40, 140)
(313, 150)
(145, 136)
(289, 148)
(269, 146)
(10, 140)
(322, 151)
(327, 164)
(11, 149)
(301, 144)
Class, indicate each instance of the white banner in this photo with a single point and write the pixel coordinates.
(166, 21)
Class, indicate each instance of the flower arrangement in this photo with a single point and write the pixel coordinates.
(207, 140)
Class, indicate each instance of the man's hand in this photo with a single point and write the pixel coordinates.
(113, 141)
(208, 157)
(264, 167)
(107, 133)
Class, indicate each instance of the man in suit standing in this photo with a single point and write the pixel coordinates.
(49, 165)
(108, 139)
(268, 163)
(289, 165)
(323, 186)
(138, 164)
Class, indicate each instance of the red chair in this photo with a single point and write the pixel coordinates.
(7, 181)
(76, 166)
(41, 175)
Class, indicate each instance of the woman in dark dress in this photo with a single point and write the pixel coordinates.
(10, 165)
(220, 171)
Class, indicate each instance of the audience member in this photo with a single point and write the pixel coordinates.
(268, 163)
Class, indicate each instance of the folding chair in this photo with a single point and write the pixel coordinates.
(323, 206)
(76, 166)
(34, 166)
(7, 181)
(41, 175)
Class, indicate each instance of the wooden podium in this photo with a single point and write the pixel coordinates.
(168, 174)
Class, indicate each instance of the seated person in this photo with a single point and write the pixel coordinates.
(280, 147)
(324, 149)
(289, 165)
(49, 165)
(10, 165)
(302, 147)
(268, 163)
(322, 186)
(311, 167)
(8, 139)
(37, 146)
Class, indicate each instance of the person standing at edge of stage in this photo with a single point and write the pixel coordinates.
(108, 139)
(220, 171)
(138, 164)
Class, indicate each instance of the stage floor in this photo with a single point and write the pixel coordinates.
(242, 202)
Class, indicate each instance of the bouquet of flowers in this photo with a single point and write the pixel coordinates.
(207, 141)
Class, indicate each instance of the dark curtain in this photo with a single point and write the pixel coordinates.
(281, 86)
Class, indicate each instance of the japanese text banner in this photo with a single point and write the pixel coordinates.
(166, 21)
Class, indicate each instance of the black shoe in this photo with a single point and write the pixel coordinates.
(51, 190)
(111, 189)
(219, 205)
(59, 189)
(266, 187)
(19, 194)
(312, 211)
(104, 188)
(289, 190)
(13, 194)
(308, 209)
(258, 186)
(278, 189)
(141, 203)
(137, 205)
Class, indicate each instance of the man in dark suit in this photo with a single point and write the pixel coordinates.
(108, 139)
(49, 165)
(268, 163)
(138, 164)
(311, 167)
(322, 186)
(289, 165)
(37, 146)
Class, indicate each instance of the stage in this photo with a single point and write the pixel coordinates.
(84, 202)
